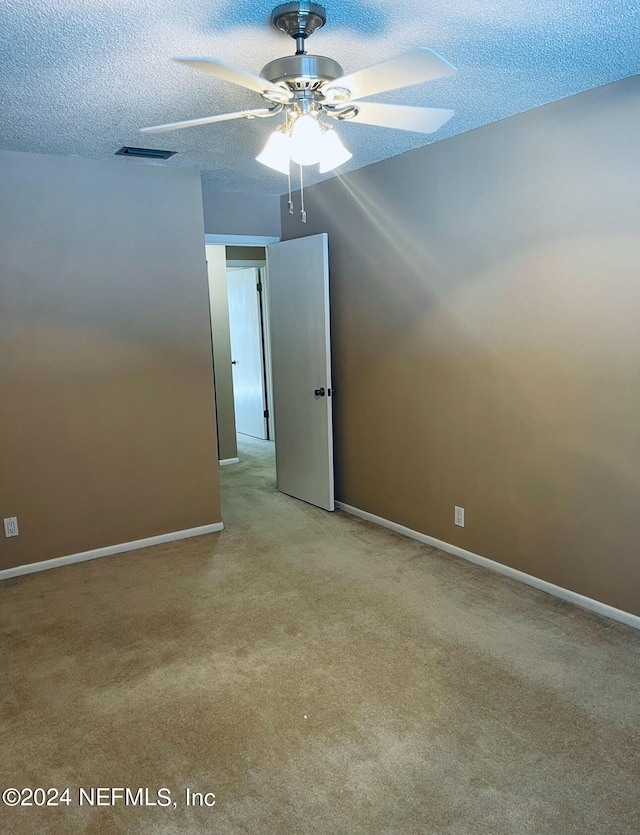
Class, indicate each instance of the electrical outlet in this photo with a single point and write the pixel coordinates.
(11, 526)
(459, 516)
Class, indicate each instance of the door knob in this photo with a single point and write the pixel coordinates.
(234, 362)
(319, 392)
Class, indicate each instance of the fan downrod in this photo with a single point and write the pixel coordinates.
(299, 20)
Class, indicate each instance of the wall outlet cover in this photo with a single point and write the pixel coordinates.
(459, 516)
(11, 526)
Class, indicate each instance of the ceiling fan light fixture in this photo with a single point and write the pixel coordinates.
(276, 153)
(307, 88)
(306, 140)
(333, 153)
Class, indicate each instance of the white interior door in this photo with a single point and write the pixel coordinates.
(298, 286)
(245, 330)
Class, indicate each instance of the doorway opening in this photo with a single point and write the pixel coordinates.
(238, 263)
(271, 356)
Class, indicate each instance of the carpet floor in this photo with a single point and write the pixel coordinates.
(317, 675)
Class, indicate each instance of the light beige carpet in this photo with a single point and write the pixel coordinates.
(319, 675)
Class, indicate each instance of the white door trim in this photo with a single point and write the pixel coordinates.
(266, 324)
(241, 240)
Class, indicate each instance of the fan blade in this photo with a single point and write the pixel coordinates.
(207, 120)
(418, 119)
(236, 75)
(413, 67)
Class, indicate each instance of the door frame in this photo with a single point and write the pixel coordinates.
(263, 241)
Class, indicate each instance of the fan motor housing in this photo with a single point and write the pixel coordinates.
(302, 72)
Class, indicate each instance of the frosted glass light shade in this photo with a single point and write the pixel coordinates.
(276, 153)
(306, 141)
(333, 153)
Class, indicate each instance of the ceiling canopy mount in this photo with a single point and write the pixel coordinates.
(299, 20)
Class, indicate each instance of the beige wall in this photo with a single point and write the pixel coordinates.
(246, 253)
(107, 421)
(486, 339)
(225, 406)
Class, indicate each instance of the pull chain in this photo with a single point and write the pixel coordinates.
(287, 131)
(303, 214)
(290, 202)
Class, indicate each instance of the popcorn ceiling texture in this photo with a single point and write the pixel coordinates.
(79, 77)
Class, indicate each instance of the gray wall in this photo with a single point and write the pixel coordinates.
(232, 213)
(486, 339)
(107, 420)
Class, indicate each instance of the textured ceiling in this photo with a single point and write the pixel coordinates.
(78, 77)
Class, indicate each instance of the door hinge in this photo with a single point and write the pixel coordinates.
(266, 413)
(259, 287)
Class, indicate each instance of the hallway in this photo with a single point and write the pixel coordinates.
(319, 675)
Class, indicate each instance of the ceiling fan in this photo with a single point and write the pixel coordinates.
(312, 91)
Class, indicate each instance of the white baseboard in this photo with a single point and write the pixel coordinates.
(224, 461)
(499, 568)
(31, 568)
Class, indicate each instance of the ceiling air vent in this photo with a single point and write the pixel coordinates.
(148, 153)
